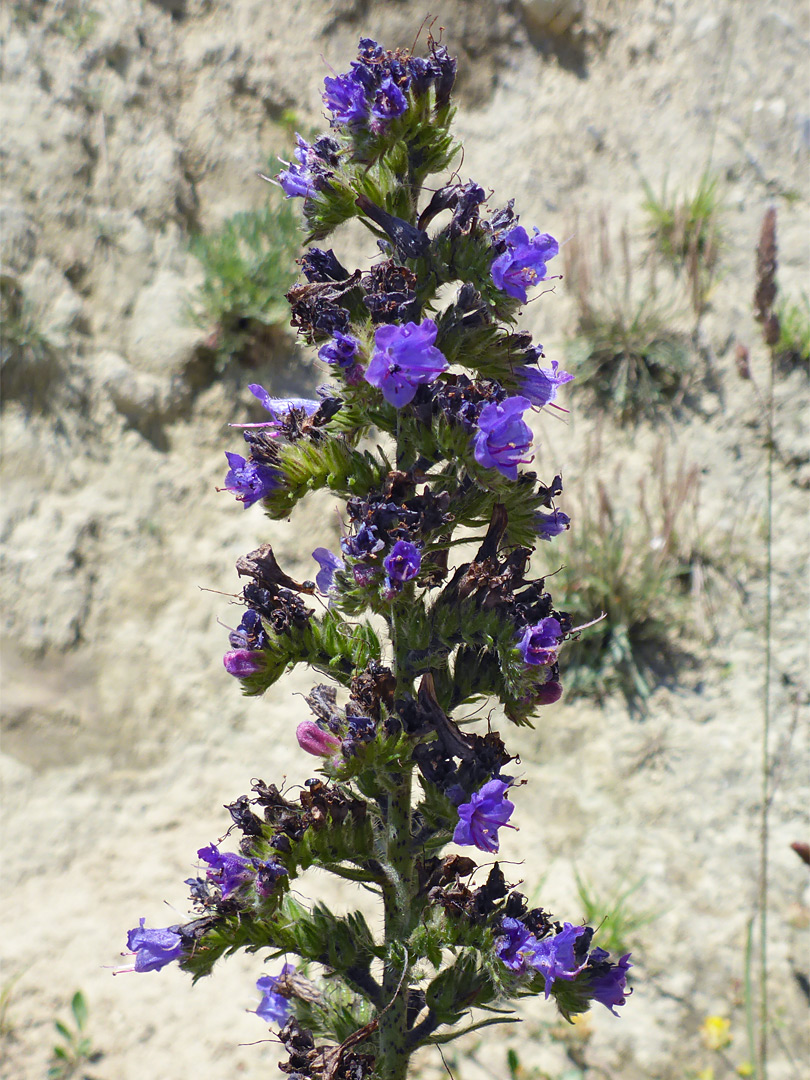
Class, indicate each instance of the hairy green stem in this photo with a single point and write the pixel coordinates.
(397, 894)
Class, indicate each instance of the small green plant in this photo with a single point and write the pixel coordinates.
(249, 265)
(625, 353)
(639, 568)
(685, 230)
(28, 361)
(78, 23)
(792, 348)
(75, 1051)
(614, 916)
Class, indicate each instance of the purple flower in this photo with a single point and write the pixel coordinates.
(401, 565)
(404, 357)
(389, 101)
(540, 643)
(524, 261)
(230, 871)
(329, 563)
(558, 957)
(552, 524)
(248, 480)
(274, 1008)
(367, 542)
(314, 740)
(485, 813)
(341, 350)
(243, 662)
(540, 384)
(516, 946)
(548, 693)
(503, 436)
(279, 407)
(607, 981)
(297, 180)
(226, 869)
(153, 949)
(345, 99)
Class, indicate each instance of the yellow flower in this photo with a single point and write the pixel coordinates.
(716, 1032)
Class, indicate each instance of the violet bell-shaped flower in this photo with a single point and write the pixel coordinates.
(404, 358)
(341, 350)
(279, 407)
(226, 869)
(540, 384)
(516, 946)
(274, 1008)
(503, 436)
(401, 565)
(296, 181)
(345, 98)
(549, 525)
(389, 102)
(153, 949)
(329, 563)
(248, 480)
(524, 262)
(479, 819)
(562, 956)
(539, 644)
(606, 981)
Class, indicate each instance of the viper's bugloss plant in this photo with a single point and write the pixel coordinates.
(422, 434)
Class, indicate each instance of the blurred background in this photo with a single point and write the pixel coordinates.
(144, 267)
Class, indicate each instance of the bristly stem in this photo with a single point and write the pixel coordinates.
(393, 1047)
(394, 1052)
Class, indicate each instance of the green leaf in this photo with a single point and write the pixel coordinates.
(78, 1006)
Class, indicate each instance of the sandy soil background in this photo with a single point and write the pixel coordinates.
(122, 735)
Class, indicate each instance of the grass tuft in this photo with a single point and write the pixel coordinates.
(249, 265)
(625, 353)
(686, 231)
(644, 569)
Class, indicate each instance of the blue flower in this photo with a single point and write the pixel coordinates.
(274, 1008)
(230, 871)
(404, 357)
(153, 949)
(401, 565)
(297, 180)
(540, 384)
(249, 481)
(558, 957)
(280, 407)
(366, 543)
(524, 261)
(516, 946)
(552, 524)
(540, 643)
(345, 98)
(503, 436)
(486, 812)
(389, 101)
(607, 982)
(329, 563)
(341, 350)
(315, 166)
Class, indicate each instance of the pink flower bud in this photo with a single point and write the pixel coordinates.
(315, 740)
